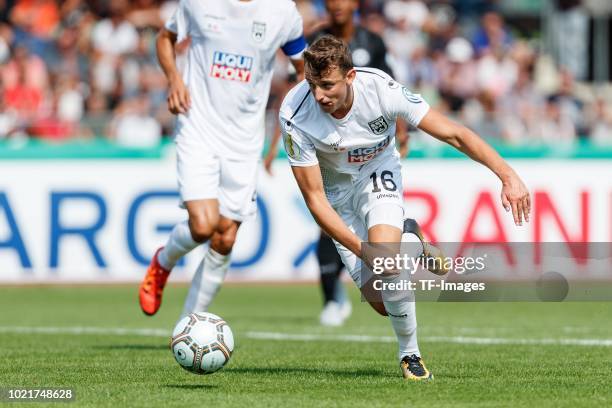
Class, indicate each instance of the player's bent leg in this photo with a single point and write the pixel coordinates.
(383, 233)
(354, 265)
(373, 297)
(212, 269)
(185, 236)
(385, 225)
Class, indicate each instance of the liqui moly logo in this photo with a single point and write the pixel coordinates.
(364, 154)
(232, 67)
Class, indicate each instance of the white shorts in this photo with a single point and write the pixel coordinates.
(204, 175)
(373, 202)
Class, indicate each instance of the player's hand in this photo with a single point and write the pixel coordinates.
(374, 254)
(270, 156)
(268, 160)
(515, 197)
(179, 100)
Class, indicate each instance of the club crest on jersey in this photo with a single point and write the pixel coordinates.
(379, 125)
(258, 32)
(364, 154)
(337, 145)
(232, 67)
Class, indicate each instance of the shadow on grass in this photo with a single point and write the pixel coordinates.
(283, 371)
(133, 347)
(191, 386)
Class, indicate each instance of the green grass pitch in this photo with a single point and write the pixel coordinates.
(482, 354)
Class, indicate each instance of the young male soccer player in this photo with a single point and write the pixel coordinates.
(338, 129)
(220, 99)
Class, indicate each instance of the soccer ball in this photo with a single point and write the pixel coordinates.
(202, 343)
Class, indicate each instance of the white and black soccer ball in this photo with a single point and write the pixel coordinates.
(202, 343)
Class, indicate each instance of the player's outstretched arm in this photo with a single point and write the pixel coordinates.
(514, 194)
(310, 183)
(179, 99)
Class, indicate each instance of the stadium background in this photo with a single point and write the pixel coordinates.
(87, 179)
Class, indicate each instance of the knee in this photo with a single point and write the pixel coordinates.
(223, 242)
(202, 228)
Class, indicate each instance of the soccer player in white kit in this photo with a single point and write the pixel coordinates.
(220, 99)
(338, 130)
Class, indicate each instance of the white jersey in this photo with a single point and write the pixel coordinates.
(352, 148)
(229, 68)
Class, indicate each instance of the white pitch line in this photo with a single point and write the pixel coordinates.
(113, 331)
(352, 338)
(430, 339)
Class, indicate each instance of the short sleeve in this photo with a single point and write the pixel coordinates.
(179, 21)
(300, 150)
(294, 44)
(398, 101)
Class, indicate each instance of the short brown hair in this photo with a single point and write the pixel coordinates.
(327, 53)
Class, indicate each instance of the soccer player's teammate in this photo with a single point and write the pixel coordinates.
(220, 99)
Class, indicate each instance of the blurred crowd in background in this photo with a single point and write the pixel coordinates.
(87, 68)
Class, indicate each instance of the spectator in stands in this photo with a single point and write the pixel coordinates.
(601, 122)
(569, 25)
(570, 106)
(553, 127)
(8, 120)
(32, 67)
(35, 22)
(5, 38)
(520, 109)
(145, 14)
(492, 35)
(482, 115)
(21, 95)
(410, 21)
(112, 38)
(68, 58)
(458, 80)
(133, 126)
(51, 126)
(497, 72)
(98, 115)
(70, 101)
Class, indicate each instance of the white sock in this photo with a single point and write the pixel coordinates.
(402, 314)
(403, 319)
(179, 244)
(402, 309)
(206, 282)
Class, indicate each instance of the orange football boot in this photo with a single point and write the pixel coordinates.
(152, 286)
